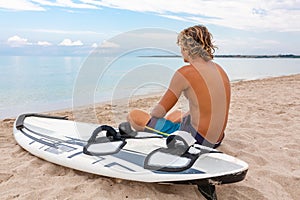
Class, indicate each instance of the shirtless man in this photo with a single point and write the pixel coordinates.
(204, 84)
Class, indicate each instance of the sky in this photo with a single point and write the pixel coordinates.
(75, 27)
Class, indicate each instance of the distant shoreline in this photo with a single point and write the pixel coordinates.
(231, 56)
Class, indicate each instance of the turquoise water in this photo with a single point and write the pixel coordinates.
(34, 84)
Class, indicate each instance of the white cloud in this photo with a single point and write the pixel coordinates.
(20, 5)
(65, 3)
(94, 45)
(17, 41)
(247, 14)
(39, 5)
(174, 17)
(44, 43)
(68, 42)
(105, 45)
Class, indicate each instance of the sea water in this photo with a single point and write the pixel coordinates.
(35, 84)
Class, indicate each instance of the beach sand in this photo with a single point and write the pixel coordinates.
(263, 130)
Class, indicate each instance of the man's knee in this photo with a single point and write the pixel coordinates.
(175, 116)
(138, 119)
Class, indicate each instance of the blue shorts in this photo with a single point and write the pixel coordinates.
(165, 127)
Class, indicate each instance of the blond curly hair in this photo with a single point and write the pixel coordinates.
(197, 41)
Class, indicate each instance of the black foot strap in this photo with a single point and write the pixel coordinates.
(208, 191)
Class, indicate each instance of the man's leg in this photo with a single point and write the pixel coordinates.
(175, 116)
(138, 119)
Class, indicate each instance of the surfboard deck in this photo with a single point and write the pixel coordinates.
(60, 141)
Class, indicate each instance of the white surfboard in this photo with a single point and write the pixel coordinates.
(144, 157)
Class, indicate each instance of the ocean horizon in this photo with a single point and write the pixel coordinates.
(46, 83)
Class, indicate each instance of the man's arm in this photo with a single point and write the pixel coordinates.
(170, 98)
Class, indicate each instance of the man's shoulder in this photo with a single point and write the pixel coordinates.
(185, 68)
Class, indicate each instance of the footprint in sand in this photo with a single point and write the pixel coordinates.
(235, 192)
(5, 177)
